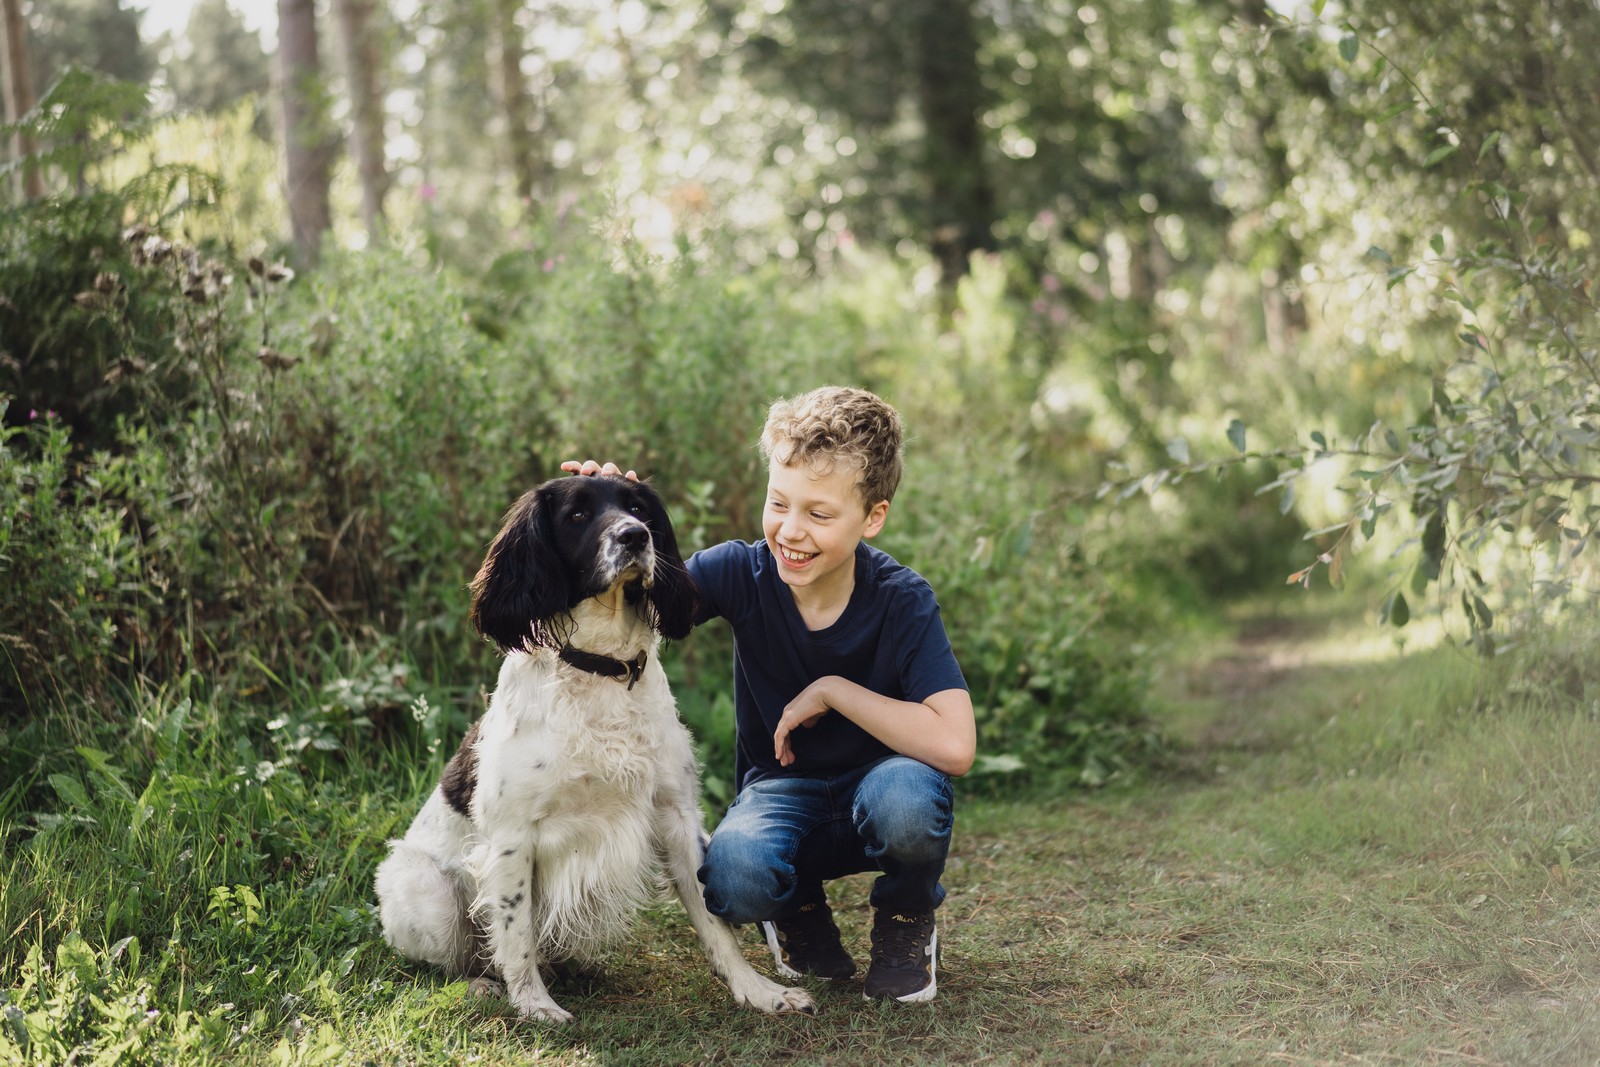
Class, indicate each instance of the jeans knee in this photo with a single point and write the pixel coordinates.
(741, 885)
(906, 812)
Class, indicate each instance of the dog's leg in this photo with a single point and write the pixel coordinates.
(680, 837)
(505, 902)
(424, 910)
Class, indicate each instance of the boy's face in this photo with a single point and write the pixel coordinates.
(813, 523)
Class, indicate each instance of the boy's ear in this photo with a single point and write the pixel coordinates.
(877, 515)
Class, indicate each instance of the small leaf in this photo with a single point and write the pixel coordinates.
(1380, 255)
(1178, 449)
(1396, 612)
(1488, 143)
(1317, 6)
(1436, 242)
(1348, 46)
(1319, 440)
(1438, 155)
(1474, 339)
(1236, 434)
(69, 790)
(1395, 109)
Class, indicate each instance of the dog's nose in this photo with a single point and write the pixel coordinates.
(633, 536)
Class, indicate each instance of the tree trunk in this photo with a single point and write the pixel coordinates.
(18, 86)
(517, 103)
(360, 41)
(307, 141)
(950, 96)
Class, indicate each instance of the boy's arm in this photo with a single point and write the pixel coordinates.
(939, 731)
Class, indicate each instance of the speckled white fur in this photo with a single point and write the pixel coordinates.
(586, 804)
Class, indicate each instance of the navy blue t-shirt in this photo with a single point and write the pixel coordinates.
(889, 639)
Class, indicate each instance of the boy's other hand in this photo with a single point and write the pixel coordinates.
(803, 710)
(591, 467)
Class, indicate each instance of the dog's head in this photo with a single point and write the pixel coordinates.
(573, 538)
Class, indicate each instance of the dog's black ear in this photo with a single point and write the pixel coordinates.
(673, 597)
(522, 588)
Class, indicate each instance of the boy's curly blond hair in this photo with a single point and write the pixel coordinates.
(838, 424)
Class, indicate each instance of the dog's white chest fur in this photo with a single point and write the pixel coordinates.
(579, 764)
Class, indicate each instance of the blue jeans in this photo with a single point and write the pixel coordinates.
(784, 837)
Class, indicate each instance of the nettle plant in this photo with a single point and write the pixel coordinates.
(1496, 481)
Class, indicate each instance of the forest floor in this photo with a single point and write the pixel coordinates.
(1355, 857)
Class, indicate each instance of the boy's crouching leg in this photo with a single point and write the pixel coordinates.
(904, 812)
(748, 871)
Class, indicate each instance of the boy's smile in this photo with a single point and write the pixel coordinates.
(812, 524)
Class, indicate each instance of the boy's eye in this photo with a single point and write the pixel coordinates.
(820, 517)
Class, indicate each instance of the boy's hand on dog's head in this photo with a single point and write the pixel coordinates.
(591, 467)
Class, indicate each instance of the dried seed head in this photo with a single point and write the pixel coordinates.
(258, 268)
(279, 273)
(135, 234)
(274, 360)
(152, 248)
(127, 367)
(89, 299)
(107, 282)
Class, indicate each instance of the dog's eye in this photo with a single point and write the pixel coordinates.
(636, 509)
(578, 516)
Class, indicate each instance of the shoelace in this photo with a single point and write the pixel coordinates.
(903, 940)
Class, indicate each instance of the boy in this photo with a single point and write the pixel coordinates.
(851, 713)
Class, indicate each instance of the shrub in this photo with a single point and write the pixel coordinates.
(72, 575)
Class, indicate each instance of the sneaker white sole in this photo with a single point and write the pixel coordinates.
(770, 929)
(927, 992)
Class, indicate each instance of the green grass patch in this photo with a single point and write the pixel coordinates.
(1356, 859)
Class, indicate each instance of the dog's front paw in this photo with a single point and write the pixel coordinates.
(549, 1012)
(536, 1004)
(773, 998)
(793, 999)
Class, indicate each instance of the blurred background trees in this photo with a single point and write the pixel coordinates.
(1198, 293)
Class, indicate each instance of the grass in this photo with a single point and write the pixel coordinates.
(1353, 859)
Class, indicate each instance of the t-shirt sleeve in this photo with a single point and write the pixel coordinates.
(927, 662)
(721, 574)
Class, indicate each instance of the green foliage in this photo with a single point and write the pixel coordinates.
(1480, 478)
(71, 570)
(95, 1007)
(346, 442)
(187, 888)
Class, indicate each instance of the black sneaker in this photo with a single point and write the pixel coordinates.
(808, 943)
(905, 955)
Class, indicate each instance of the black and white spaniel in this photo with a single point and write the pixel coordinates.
(578, 790)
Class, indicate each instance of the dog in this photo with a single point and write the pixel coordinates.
(577, 795)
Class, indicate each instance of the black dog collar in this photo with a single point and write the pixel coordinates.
(605, 666)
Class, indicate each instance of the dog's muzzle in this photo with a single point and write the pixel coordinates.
(629, 552)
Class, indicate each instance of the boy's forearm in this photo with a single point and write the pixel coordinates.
(939, 731)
